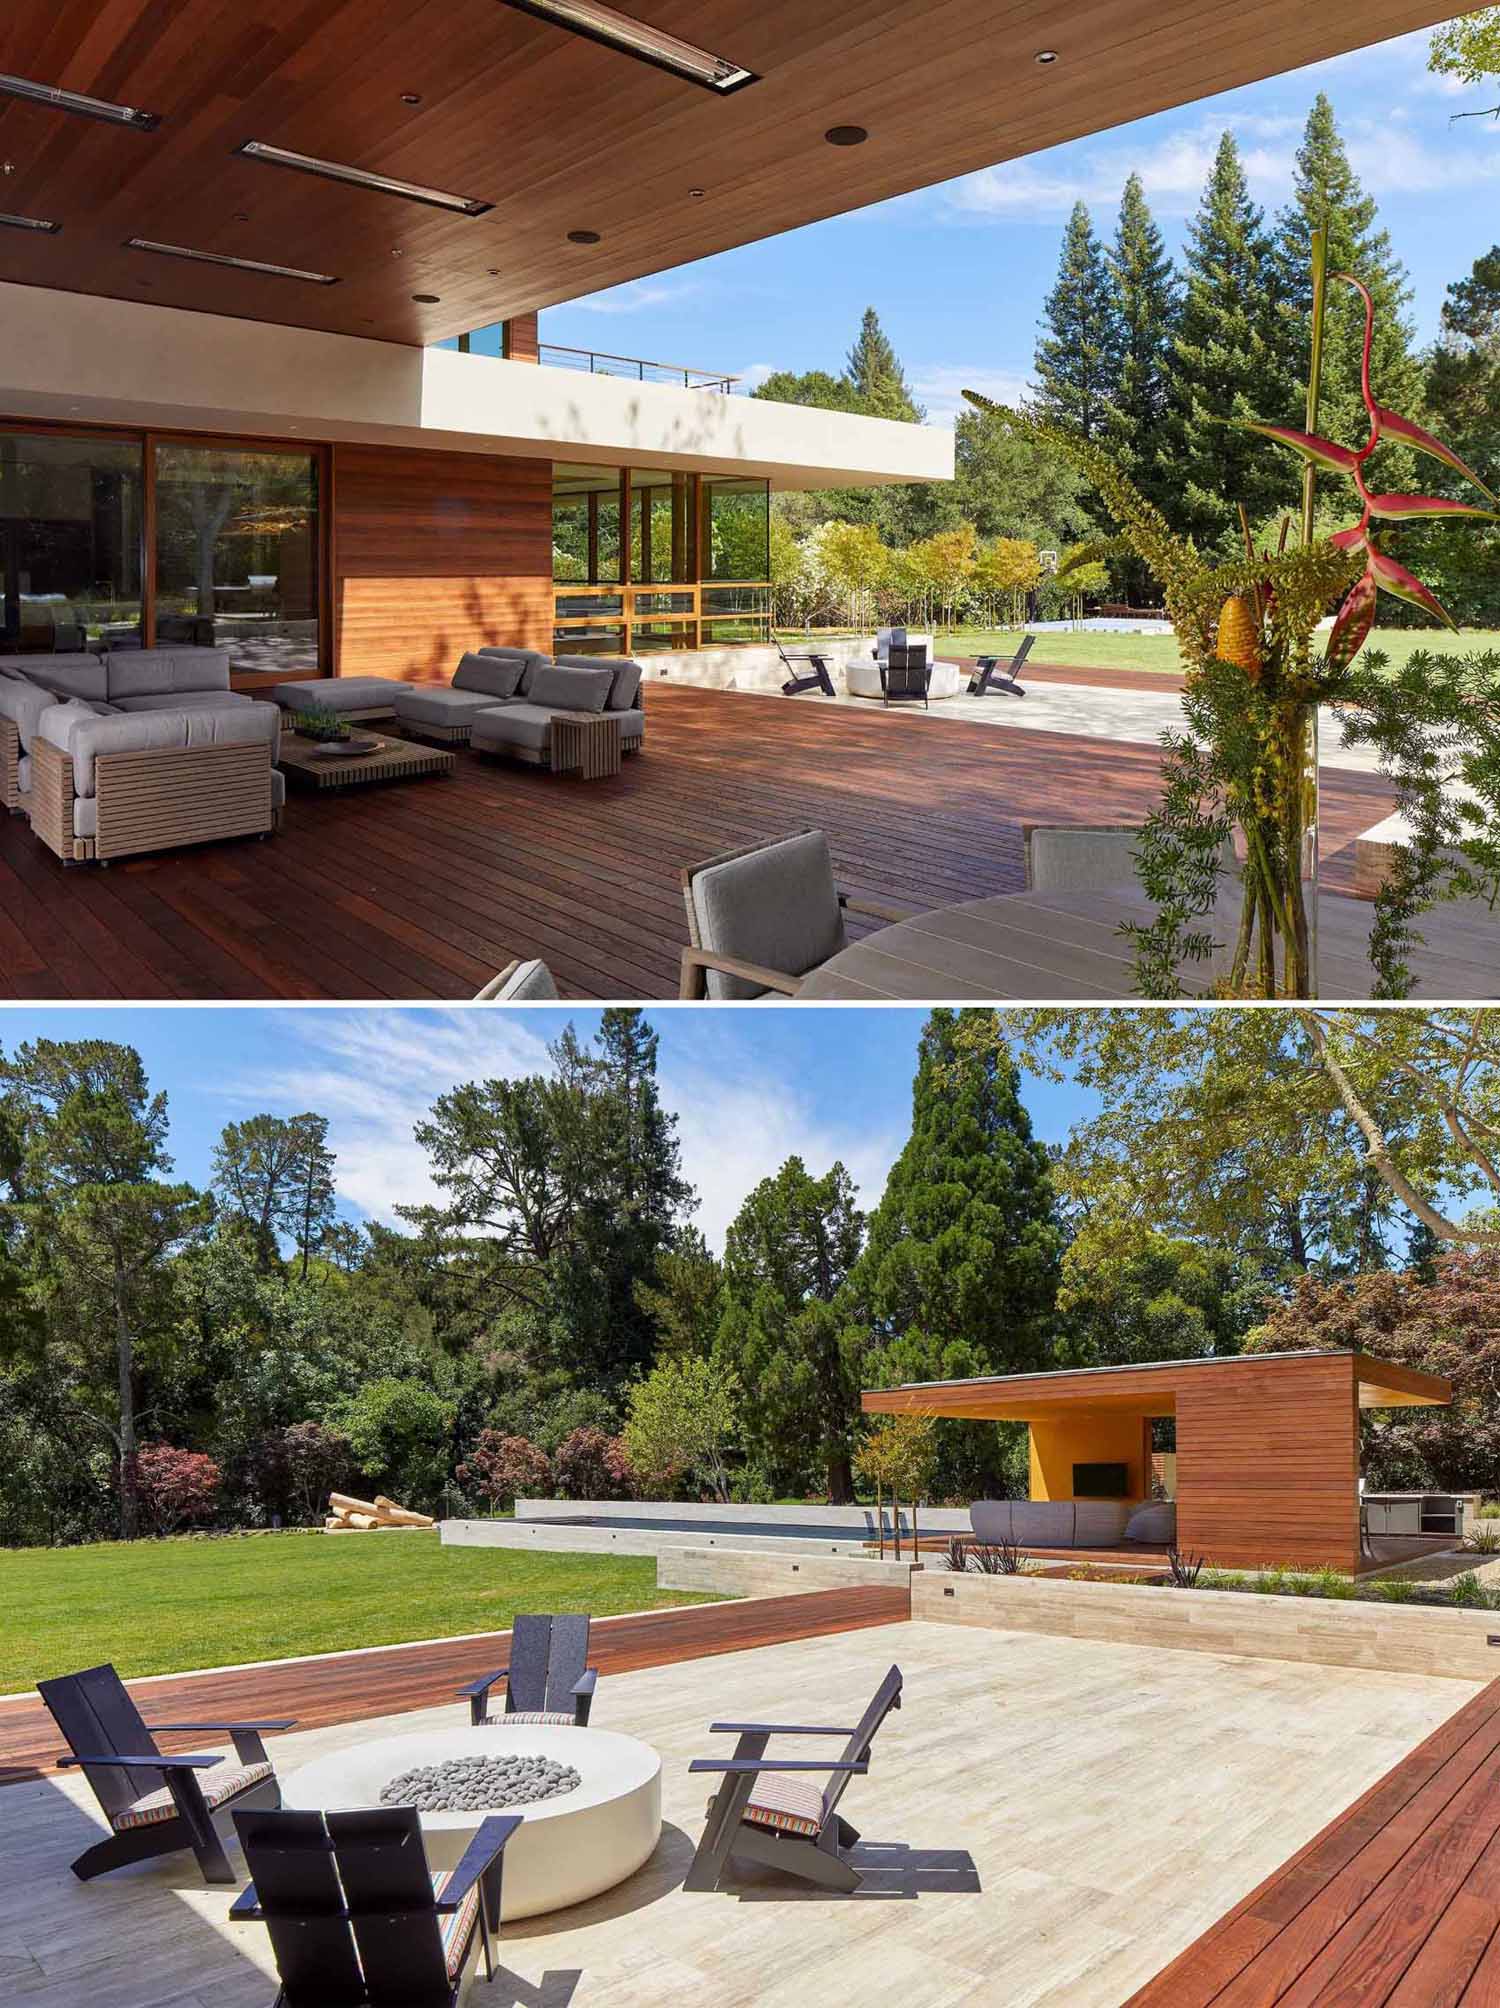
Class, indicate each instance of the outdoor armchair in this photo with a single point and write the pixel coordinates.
(769, 1810)
(356, 1916)
(997, 676)
(548, 1679)
(155, 1804)
(905, 674)
(808, 671)
(761, 918)
(519, 983)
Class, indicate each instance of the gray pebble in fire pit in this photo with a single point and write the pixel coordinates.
(480, 1784)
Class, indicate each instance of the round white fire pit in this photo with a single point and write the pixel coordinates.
(569, 1847)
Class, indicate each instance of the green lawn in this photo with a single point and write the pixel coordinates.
(1159, 651)
(165, 1606)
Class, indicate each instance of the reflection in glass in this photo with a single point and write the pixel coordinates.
(738, 512)
(237, 553)
(586, 525)
(70, 542)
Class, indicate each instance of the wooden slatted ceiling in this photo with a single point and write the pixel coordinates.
(1395, 1904)
(560, 133)
(389, 1680)
(426, 888)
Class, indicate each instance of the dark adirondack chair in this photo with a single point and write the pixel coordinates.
(355, 1916)
(768, 1811)
(1000, 676)
(808, 672)
(155, 1804)
(548, 1679)
(906, 674)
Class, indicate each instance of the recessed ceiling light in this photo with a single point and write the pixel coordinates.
(358, 177)
(240, 216)
(583, 237)
(427, 299)
(697, 193)
(37, 223)
(638, 39)
(1045, 56)
(411, 97)
(75, 101)
(493, 271)
(236, 264)
(846, 135)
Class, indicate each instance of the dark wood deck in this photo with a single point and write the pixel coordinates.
(389, 1680)
(426, 888)
(1396, 1904)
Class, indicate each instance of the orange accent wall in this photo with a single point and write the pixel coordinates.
(1100, 1436)
(434, 554)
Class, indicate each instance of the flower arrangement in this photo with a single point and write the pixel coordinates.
(1248, 758)
(317, 722)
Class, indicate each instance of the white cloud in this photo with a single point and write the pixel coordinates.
(638, 297)
(940, 387)
(376, 1074)
(753, 375)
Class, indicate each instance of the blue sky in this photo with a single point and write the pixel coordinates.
(749, 1087)
(959, 272)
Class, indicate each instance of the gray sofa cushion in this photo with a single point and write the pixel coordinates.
(1155, 1525)
(436, 704)
(564, 688)
(181, 700)
(1100, 1523)
(778, 907)
(529, 658)
(70, 675)
(518, 724)
(627, 674)
(632, 725)
(1043, 1523)
(23, 702)
(157, 672)
(339, 693)
(499, 675)
(78, 732)
(990, 1520)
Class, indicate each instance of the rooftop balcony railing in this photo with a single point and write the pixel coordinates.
(597, 362)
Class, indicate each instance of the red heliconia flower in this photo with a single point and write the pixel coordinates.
(1382, 574)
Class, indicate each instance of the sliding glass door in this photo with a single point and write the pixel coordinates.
(70, 542)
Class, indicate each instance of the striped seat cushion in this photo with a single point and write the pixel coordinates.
(529, 1717)
(227, 1779)
(787, 1801)
(457, 1928)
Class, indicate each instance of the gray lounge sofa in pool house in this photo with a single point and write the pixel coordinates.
(1073, 1523)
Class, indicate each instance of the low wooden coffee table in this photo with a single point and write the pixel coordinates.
(586, 743)
(394, 760)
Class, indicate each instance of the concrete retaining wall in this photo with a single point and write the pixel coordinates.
(836, 1522)
(1391, 1638)
(735, 1572)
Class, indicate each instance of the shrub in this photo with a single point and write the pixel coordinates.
(591, 1464)
(398, 1433)
(173, 1488)
(1484, 1541)
(317, 1460)
(499, 1467)
(1331, 1582)
(1185, 1568)
(1393, 1590)
(1468, 1593)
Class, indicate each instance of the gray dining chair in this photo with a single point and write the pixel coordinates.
(1084, 857)
(519, 983)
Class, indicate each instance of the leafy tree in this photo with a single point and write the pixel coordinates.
(943, 565)
(1448, 1326)
(502, 1468)
(173, 1488)
(1463, 397)
(683, 1422)
(1226, 364)
(1146, 304)
(959, 1272)
(1009, 486)
(275, 1173)
(98, 1220)
(811, 387)
(1078, 356)
(588, 1464)
(316, 1460)
(1128, 1294)
(875, 375)
(683, 1300)
(899, 1459)
(857, 563)
(1327, 194)
(1468, 48)
(1008, 569)
(399, 1436)
(787, 1256)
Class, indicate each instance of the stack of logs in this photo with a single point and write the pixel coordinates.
(370, 1516)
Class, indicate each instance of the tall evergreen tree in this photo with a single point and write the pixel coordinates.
(960, 1270)
(1463, 399)
(1327, 192)
(787, 1257)
(1078, 355)
(1225, 365)
(1146, 306)
(875, 374)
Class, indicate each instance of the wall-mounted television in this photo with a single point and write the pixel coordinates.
(1101, 1481)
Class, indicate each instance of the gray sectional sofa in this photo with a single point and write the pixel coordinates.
(1071, 1523)
(136, 750)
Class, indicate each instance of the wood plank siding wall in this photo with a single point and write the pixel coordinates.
(523, 342)
(1268, 1462)
(436, 553)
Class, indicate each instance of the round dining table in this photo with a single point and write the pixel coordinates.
(1069, 947)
